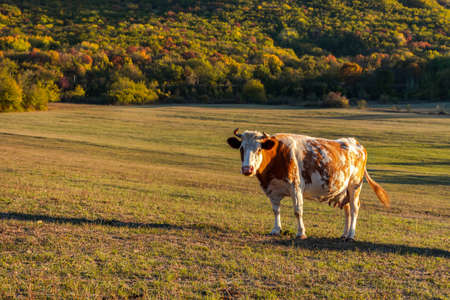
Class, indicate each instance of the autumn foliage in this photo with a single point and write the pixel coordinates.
(222, 51)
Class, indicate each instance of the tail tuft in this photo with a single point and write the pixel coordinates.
(381, 193)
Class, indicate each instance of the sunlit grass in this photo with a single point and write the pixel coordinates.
(148, 202)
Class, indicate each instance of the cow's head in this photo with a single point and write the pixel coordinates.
(251, 144)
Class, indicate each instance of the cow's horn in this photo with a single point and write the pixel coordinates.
(265, 135)
(236, 133)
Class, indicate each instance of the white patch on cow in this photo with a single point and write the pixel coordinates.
(308, 147)
(352, 170)
(287, 140)
(325, 157)
(354, 150)
(341, 178)
(251, 146)
(315, 188)
(251, 158)
(277, 224)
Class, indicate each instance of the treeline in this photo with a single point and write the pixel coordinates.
(297, 52)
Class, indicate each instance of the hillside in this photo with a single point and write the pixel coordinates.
(236, 51)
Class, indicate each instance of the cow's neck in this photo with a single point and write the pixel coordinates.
(274, 164)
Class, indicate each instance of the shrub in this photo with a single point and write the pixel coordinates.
(36, 97)
(335, 99)
(361, 104)
(10, 93)
(37, 93)
(52, 90)
(126, 91)
(254, 91)
(76, 93)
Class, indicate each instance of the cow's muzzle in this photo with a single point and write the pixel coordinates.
(247, 170)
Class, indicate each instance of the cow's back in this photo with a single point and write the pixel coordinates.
(327, 167)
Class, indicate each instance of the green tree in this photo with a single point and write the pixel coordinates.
(254, 91)
(10, 93)
(126, 91)
(35, 97)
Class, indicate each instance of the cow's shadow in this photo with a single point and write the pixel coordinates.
(316, 243)
(311, 243)
(106, 222)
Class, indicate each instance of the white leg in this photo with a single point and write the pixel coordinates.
(297, 200)
(354, 210)
(346, 221)
(276, 211)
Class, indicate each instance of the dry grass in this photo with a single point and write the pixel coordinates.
(124, 202)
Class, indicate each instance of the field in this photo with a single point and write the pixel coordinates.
(127, 202)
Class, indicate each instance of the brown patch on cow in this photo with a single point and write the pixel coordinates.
(340, 201)
(314, 157)
(332, 161)
(277, 163)
(362, 164)
(308, 166)
(293, 171)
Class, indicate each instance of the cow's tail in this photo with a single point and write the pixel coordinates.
(381, 193)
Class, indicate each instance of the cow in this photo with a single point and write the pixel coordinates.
(301, 167)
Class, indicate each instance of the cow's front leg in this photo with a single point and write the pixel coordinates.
(275, 201)
(297, 200)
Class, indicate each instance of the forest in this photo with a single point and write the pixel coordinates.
(310, 52)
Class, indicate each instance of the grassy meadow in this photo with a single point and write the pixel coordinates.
(126, 202)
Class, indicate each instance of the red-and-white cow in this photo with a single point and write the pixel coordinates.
(306, 167)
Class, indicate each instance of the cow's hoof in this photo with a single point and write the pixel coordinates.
(275, 232)
(301, 236)
(349, 240)
(343, 237)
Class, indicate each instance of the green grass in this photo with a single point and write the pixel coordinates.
(125, 202)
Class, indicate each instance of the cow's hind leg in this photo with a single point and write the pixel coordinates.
(275, 201)
(354, 192)
(346, 221)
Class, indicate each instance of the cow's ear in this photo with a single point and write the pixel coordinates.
(234, 142)
(267, 144)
